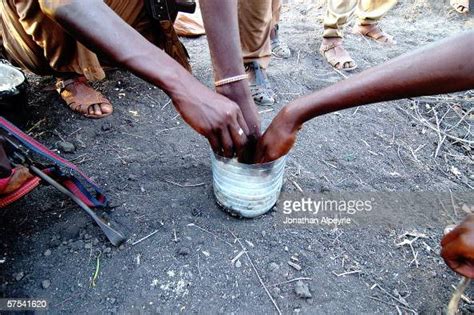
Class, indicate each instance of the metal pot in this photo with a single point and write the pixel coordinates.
(13, 93)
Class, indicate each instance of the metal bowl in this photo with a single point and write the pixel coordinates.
(13, 96)
(247, 190)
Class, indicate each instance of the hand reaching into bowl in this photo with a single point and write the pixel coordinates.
(444, 67)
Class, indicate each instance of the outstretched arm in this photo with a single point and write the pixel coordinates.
(97, 26)
(222, 29)
(444, 67)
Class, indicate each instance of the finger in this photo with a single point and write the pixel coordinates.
(238, 138)
(215, 144)
(451, 236)
(242, 123)
(466, 270)
(227, 144)
(260, 152)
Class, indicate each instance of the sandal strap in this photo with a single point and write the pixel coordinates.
(324, 48)
(62, 84)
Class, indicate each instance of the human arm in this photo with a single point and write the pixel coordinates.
(457, 248)
(444, 67)
(222, 30)
(97, 26)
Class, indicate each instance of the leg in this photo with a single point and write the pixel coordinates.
(338, 13)
(369, 14)
(255, 23)
(279, 48)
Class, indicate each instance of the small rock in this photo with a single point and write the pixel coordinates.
(132, 177)
(66, 147)
(107, 250)
(295, 265)
(88, 246)
(47, 253)
(302, 290)
(106, 127)
(264, 233)
(45, 284)
(183, 251)
(122, 247)
(238, 264)
(112, 300)
(87, 236)
(273, 267)
(95, 241)
(19, 276)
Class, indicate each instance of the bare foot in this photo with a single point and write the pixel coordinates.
(16, 180)
(83, 99)
(373, 31)
(336, 55)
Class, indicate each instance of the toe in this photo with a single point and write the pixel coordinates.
(106, 109)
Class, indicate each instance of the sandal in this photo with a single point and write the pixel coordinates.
(461, 6)
(83, 99)
(373, 31)
(260, 88)
(337, 60)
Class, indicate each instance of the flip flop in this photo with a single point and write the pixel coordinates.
(25, 188)
(80, 96)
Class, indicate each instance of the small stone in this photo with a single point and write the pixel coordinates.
(106, 127)
(302, 290)
(122, 247)
(238, 264)
(112, 300)
(273, 267)
(132, 177)
(47, 253)
(183, 251)
(295, 265)
(264, 233)
(19, 276)
(95, 241)
(87, 236)
(66, 147)
(88, 246)
(107, 250)
(45, 284)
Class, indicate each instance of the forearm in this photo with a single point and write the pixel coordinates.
(99, 28)
(222, 29)
(447, 66)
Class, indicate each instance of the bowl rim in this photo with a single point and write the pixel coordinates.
(244, 165)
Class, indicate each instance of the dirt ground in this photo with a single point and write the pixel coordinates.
(50, 249)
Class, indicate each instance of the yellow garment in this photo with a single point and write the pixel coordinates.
(35, 42)
(339, 12)
(256, 20)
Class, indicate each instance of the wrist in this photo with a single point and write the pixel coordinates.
(236, 91)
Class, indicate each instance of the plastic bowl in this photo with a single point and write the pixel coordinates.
(247, 190)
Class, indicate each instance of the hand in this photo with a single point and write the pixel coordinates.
(212, 115)
(239, 92)
(457, 248)
(279, 138)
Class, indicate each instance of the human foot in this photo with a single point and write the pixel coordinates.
(19, 176)
(335, 54)
(373, 31)
(260, 88)
(83, 99)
